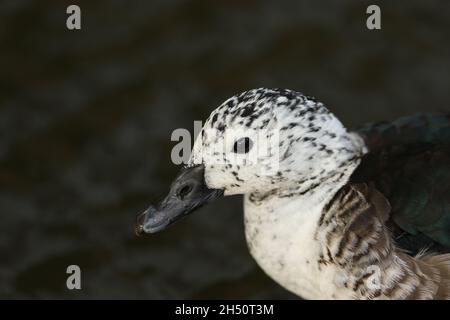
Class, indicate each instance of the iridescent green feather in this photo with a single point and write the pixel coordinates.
(409, 162)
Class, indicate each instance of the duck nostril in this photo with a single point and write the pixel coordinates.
(184, 191)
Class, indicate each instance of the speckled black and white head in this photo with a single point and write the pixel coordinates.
(264, 143)
(289, 143)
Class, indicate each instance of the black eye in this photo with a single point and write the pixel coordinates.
(243, 145)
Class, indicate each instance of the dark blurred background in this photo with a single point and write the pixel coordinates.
(86, 118)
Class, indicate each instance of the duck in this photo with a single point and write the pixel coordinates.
(329, 213)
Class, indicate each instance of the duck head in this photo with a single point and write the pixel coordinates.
(262, 143)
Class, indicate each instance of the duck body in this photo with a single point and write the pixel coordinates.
(329, 213)
(351, 245)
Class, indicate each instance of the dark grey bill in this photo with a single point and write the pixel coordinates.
(187, 193)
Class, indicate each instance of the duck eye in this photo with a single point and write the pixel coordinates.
(242, 145)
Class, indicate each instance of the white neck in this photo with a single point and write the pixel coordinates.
(281, 232)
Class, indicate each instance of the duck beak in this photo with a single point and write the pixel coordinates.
(187, 193)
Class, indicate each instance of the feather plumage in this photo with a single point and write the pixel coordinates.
(356, 240)
(409, 162)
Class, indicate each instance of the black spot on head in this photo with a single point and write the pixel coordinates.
(251, 118)
(248, 110)
(204, 135)
(221, 127)
(290, 126)
(230, 104)
(235, 174)
(214, 119)
(264, 123)
(301, 113)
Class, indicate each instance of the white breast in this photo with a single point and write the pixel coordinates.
(282, 241)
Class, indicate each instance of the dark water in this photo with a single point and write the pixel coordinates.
(86, 118)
